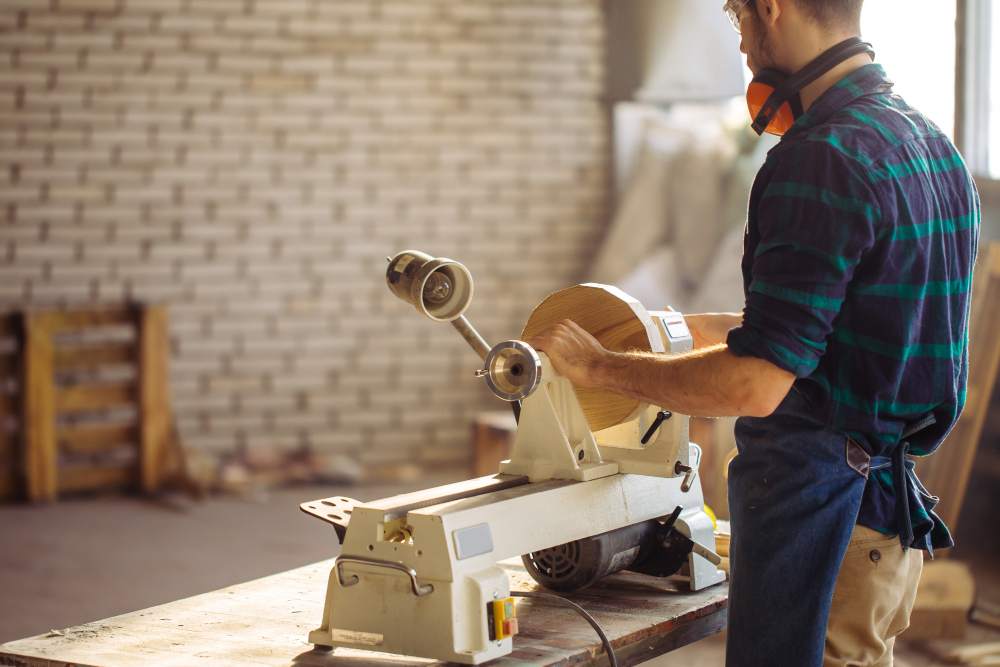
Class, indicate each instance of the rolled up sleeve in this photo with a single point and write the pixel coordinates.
(816, 218)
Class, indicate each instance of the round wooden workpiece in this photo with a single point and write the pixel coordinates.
(618, 322)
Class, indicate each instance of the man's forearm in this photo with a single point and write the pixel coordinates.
(709, 382)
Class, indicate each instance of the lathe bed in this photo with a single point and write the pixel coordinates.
(266, 622)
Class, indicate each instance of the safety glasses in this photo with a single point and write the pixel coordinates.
(732, 8)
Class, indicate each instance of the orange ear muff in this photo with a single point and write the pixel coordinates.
(773, 97)
(757, 94)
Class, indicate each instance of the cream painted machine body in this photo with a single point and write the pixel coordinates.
(417, 572)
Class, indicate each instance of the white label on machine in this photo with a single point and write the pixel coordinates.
(356, 637)
(473, 541)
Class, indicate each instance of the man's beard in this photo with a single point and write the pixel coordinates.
(760, 51)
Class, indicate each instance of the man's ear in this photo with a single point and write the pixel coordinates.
(770, 10)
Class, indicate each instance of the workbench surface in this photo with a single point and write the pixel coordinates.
(267, 621)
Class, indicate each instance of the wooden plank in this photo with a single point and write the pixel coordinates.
(267, 622)
(89, 397)
(946, 472)
(154, 395)
(89, 356)
(93, 439)
(964, 655)
(95, 478)
(38, 409)
(646, 649)
(101, 316)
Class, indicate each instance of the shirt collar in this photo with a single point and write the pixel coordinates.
(865, 80)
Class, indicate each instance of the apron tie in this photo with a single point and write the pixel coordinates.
(916, 523)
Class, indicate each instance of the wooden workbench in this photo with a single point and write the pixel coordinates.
(266, 622)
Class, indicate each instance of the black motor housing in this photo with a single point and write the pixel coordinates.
(654, 548)
(578, 564)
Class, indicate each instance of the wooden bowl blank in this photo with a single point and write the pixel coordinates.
(618, 322)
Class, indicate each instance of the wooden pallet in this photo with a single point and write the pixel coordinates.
(91, 409)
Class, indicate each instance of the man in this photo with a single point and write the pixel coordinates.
(849, 357)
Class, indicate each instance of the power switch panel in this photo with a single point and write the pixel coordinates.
(500, 619)
(676, 326)
(673, 330)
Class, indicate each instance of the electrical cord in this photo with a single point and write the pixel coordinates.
(580, 610)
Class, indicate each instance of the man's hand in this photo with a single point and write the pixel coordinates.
(574, 352)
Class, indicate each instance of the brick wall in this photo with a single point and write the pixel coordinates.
(252, 162)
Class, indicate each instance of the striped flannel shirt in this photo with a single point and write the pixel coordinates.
(861, 236)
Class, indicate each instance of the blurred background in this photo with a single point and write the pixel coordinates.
(197, 199)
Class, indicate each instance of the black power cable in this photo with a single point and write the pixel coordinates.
(580, 610)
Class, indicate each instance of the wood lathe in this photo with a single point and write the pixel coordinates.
(597, 483)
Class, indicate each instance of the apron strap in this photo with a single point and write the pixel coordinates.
(901, 489)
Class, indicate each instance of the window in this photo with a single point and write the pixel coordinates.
(915, 43)
(975, 115)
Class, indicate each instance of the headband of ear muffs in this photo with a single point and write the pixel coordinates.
(773, 97)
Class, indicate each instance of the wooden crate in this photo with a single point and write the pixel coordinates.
(94, 399)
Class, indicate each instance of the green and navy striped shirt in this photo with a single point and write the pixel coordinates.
(860, 242)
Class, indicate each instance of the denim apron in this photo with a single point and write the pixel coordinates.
(795, 490)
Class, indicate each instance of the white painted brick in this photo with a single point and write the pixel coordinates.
(250, 25)
(47, 293)
(211, 7)
(176, 22)
(88, 6)
(266, 163)
(280, 83)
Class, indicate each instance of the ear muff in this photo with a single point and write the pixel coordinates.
(760, 90)
(773, 98)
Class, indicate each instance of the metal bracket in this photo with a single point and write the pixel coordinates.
(418, 590)
(336, 510)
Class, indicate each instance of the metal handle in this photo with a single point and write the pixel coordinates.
(418, 590)
(689, 474)
(706, 553)
(660, 416)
